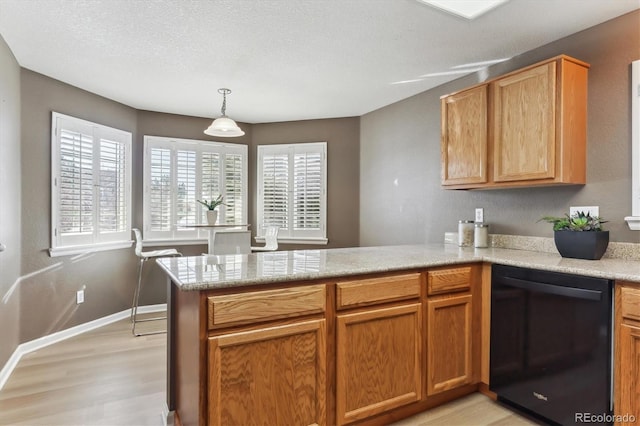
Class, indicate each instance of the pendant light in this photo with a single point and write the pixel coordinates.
(224, 126)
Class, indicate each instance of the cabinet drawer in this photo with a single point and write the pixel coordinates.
(449, 280)
(372, 291)
(234, 309)
(630, 304)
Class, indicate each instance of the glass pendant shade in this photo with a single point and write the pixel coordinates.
(225, 127)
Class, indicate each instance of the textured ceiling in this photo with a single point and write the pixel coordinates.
(283, 59)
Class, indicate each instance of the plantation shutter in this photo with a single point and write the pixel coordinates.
(307, 191)
(186, 188)
(75, 185)
(234, 188)
(211, 172)
(291, 193)
(275, 191)
(178, 173)
(113, 190)
(91, 185)
(160, 192)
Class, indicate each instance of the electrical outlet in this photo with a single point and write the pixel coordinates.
(480, 215)
(592, 210)
(79, 297)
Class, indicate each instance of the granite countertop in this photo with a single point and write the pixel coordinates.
(209, 272)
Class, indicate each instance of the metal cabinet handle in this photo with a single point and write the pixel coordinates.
(2, 247)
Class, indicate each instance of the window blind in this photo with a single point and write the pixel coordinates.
(292, 189)
(178, 172)
(91, 185)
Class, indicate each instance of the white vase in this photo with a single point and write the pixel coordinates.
(212, 217)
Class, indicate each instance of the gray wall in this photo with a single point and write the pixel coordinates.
(342, 136)
(50, 284)
(10, 201)
(401, 200)
(47, 297)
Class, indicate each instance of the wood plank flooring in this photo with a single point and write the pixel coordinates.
(108, 377)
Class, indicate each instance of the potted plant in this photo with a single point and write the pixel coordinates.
(579, 236)
(212, 213)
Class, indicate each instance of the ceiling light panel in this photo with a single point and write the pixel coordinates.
(469, 9)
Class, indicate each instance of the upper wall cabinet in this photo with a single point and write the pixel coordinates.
(526, 128)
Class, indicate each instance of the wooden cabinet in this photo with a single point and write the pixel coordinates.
(365, 350)
(453, 323)
(464, 137)
(249, 357)
(271, 376)
(379, 364)
(536, 131)
(627, 353)
(449, 343)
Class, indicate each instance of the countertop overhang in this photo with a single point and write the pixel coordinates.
(209, 272)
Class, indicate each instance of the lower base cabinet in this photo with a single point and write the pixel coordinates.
(271, 376)
(379, 365)
(449, 343)
(627, 353)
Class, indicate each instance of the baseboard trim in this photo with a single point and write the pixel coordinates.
(44, 341)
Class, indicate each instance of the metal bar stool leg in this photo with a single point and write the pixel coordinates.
(136, 290)
(134, 308)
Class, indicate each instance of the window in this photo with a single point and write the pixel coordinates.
(634, 220)
(178, 172)
(90, 186)
(292, 191)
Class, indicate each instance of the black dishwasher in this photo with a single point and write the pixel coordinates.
(551, 343)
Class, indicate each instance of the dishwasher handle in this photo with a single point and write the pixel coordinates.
(577, 293)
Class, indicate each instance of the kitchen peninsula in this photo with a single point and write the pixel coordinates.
(338, 336)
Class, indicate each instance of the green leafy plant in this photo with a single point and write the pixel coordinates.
(577, 222)
(213, 204)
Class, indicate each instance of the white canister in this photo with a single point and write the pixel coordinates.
(465, 233)
(481, 235)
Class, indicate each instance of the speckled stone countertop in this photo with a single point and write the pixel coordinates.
(217, 272)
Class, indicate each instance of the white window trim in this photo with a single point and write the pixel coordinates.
(57, 249)
(634, 220)
(186, 236)
(291, 239)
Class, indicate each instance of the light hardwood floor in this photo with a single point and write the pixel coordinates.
(108, 377)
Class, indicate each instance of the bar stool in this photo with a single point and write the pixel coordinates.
(270, 239)
(144, 256)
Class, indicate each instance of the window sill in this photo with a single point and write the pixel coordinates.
(71, 250)
(633, 222)
(313, 241)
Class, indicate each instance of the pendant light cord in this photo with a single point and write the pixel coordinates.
(224, 100)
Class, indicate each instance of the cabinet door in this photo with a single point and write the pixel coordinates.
(524, 125)
(449, 343)
(464, 137)
(629, 399)
(270, 376)
(378, 361)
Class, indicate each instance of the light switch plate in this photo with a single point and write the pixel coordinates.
(479, 215)
(592, 210)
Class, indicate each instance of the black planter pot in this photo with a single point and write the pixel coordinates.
(588, 245)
